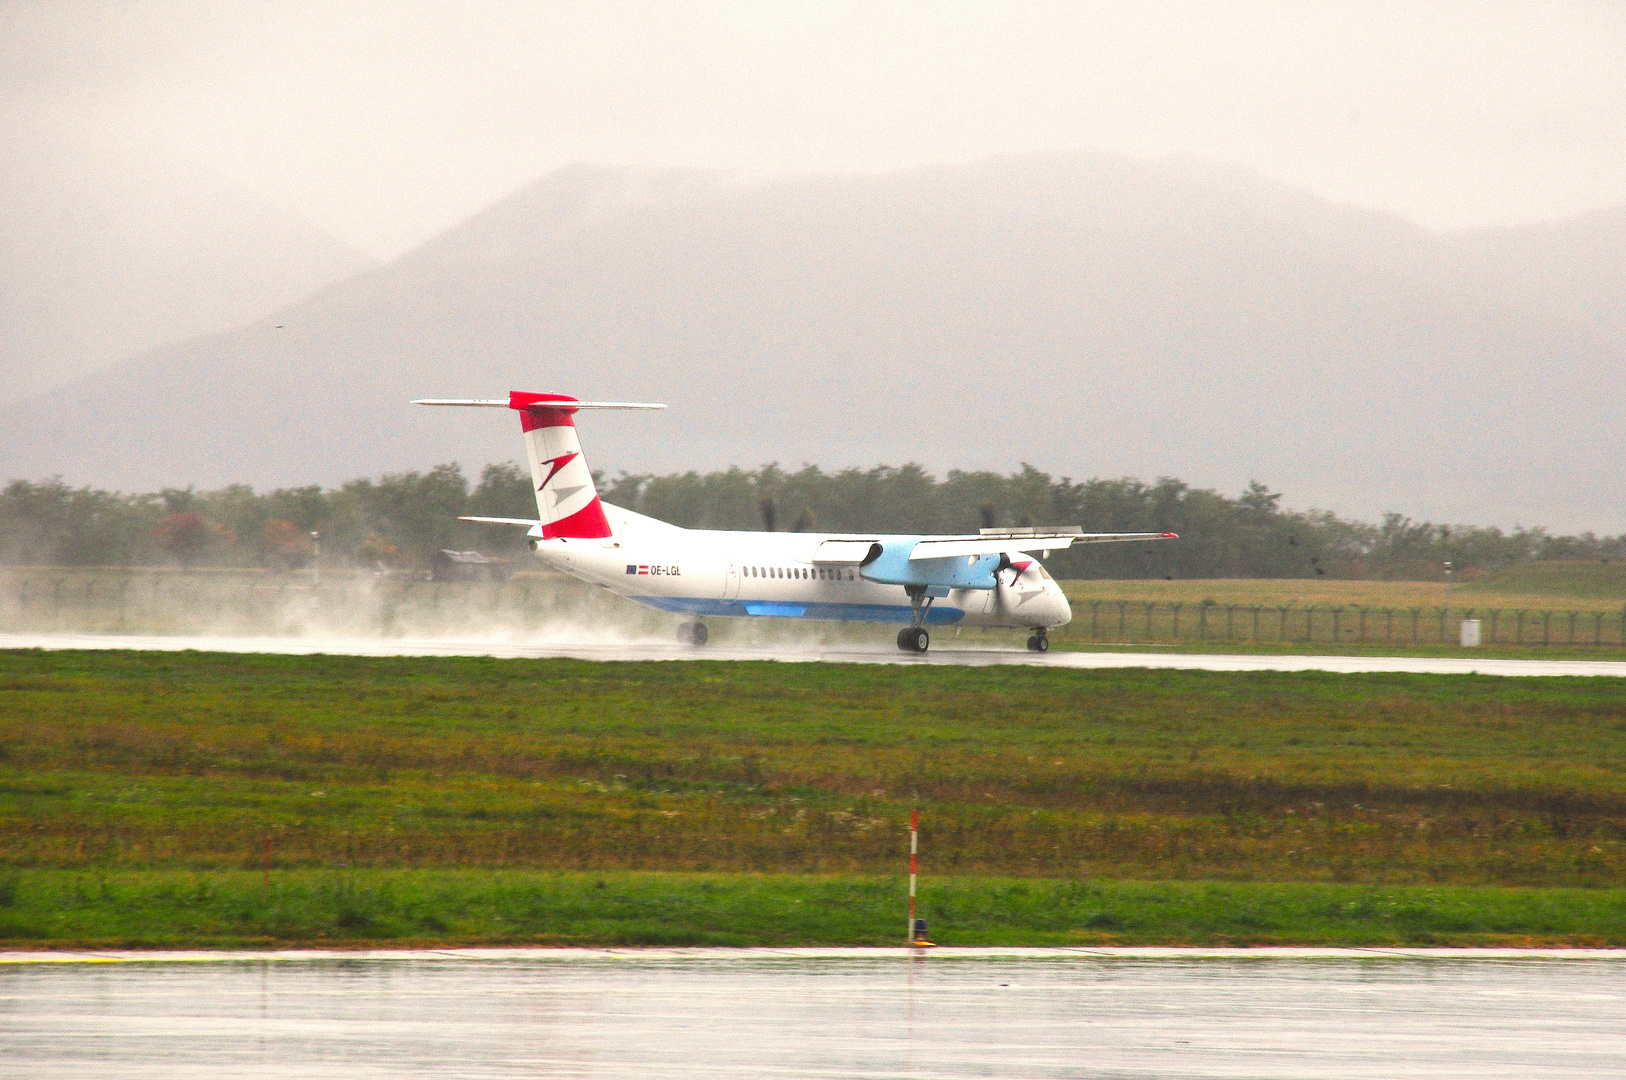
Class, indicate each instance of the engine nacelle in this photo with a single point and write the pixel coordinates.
(889, 564)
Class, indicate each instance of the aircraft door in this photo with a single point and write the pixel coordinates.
(731, 582)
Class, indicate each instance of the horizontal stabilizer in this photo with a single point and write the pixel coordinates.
(1023, 540)
(529, 523)
(503, 403)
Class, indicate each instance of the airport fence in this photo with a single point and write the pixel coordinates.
(1151, 621)
(114, 600)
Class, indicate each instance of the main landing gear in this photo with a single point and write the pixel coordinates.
(1040, 641)
(914, 638)
(693, 633)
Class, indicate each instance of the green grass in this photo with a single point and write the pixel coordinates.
(359, 908)
(1572, 579)
(150, 768)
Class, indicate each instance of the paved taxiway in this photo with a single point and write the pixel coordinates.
(947, 653)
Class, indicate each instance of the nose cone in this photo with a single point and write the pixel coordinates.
(1058, 612)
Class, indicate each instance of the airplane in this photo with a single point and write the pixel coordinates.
(985, 579)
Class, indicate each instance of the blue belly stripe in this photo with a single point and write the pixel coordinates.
(784, 611)
(880, 613)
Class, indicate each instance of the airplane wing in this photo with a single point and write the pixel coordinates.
(527, 522)
(1023, 540)
(846, 551)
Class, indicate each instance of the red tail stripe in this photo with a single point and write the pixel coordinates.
(588, 523)
(541, 410)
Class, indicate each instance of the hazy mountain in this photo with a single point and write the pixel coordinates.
(1089, 314)
(1573, 270)
(104, 256)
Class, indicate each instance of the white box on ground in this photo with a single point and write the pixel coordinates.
(1470, 633)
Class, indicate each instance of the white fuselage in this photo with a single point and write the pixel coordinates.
(701, 572)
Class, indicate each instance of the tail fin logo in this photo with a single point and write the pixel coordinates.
(558, 463)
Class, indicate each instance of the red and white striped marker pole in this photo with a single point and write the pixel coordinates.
(914, 836)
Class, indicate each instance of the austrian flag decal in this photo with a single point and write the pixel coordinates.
(637, 569)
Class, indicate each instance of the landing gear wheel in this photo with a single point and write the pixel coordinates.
(693, 633)
(1039, 642)
(914, 639)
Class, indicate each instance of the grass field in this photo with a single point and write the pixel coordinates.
(150, 769)
(356, 908)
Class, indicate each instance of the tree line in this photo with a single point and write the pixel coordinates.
(400, 520)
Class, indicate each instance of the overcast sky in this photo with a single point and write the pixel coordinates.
(385, 123)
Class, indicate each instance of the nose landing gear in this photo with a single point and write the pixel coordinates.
(693, 633)
(1040, 641)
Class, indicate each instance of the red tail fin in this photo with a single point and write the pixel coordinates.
(566, 500)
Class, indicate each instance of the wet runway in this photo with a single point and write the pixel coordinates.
(823, 1013)
(946, 652)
